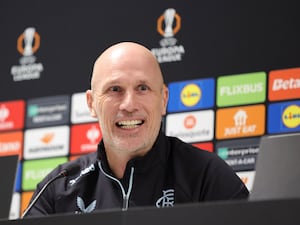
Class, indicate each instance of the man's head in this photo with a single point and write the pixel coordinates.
(129, 98)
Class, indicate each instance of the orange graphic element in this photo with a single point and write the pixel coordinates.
(160, 24)
(244, 179)
(47, 138)
(240, 122)
(35, 47)
(11, 143)
(190, 122)
(25, 198)
(284, 84)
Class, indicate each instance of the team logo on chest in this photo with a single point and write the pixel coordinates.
(167, 200)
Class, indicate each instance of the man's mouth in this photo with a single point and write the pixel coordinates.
(129, 124)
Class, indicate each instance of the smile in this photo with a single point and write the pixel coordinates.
(129, 124)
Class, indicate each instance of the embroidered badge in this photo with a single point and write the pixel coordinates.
(167, 200)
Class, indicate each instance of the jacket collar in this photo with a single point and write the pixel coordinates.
(158, 154)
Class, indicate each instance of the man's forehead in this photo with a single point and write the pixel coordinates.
(128, 78)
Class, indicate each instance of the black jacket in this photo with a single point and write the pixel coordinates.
(172, 172)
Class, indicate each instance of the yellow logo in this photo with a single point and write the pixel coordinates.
(291, 116)
(190, 95)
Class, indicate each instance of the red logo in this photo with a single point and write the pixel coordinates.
(12, 115)
(284, 84)
(85, 138)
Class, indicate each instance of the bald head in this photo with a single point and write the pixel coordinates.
(126, 55)
(129, 98)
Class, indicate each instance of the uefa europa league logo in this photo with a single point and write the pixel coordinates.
(28, 41)
(169, 23)
(169, 15)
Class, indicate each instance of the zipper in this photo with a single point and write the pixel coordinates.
(124, 194)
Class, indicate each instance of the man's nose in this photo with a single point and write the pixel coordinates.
(128, 102)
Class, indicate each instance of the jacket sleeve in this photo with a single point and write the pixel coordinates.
(221, 182)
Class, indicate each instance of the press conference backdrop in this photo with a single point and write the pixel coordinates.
(232, 68)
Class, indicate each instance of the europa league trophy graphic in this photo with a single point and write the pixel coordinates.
(28, 41)
(169, 15)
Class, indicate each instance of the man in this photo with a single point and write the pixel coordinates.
(136, 164)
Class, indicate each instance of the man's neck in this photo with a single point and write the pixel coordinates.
(117, 163)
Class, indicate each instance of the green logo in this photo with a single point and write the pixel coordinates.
(223, 153)
(33, 110)
(35, 170)
(241, 89)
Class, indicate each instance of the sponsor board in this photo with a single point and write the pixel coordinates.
(79, 110)
(85, 138)
(239, 154)
(241, 89)
(15, 206)
(25, 199)
(238, 122)
(35, 170)
(18, 181)
(248, 178)
(191, 95)
(46, 142)
(284, 84)
(12, 115)
(284, 117)
(191, 127)
(11, 143)
(207, 146)
(48, 111)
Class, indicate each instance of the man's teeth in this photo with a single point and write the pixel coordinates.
(129, 123)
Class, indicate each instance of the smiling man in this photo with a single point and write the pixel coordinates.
(136, 164)
(129, 98)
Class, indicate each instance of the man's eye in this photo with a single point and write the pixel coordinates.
(115, 89)
(143, 88)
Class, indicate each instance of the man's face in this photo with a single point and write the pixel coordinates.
(129, 100)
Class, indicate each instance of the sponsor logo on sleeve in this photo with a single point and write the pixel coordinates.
(284, 84)
(241, 89)
(191, 126)
(240, 122)
(191, 95)
(284, 117)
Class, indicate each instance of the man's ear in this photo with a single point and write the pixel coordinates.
(89, 100)
(165, 98)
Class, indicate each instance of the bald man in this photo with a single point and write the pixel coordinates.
(136, 164)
